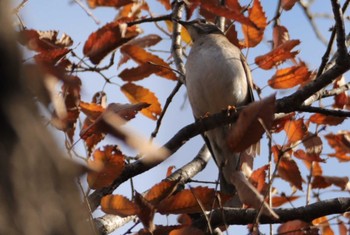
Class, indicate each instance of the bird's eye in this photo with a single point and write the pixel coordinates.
(203, 21)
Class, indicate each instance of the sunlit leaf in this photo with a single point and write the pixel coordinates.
(254, 34)
(185, 36)
(118, 205)
(280, 35)
(322, 119)
(296, 227)
(324, 225)
(341, 144)
(280, 200)
(295, 130)
(290, 77)
(288, 4)
(277, 55)
(166, 4)
(138, 94)
(107, 38)
(258, 177)
(111, 162)
(160, 191)
(141, 56)
(109, 3)
(326, 181)
(308, 156)
(145, 213)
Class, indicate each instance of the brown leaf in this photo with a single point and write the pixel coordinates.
(343, 230)
(248, 128)
(188, 230)
(254, 34)
(166, 4)
(322, 119)
(288, 4)
(111, 161)
(44, 40)
(280, 200)
(326, 181)
(107, 38)
(108, 3)
(289, 171)
(341, 100)
(185, 36)
(277, 55)
(145, 213)
(138, 94)
(186, 201)
(296, 227)
(161, 191)
(51, 57)
(295, 129)
(279, 122)
(232, 14)
(146, 41)
(118, 205)
(310, 157)
(316, 168)
(280, 35)
(233, 4)
(141, 56)
(290, 77)
(313, 144)
(323, 223)
(138, 73)
(232, 36)
(258, 177)
(341, 144)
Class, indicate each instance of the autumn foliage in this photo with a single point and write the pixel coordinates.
(301, 142)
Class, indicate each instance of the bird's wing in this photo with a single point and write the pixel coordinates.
(249, 77)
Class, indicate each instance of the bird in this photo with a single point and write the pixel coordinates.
(217, 77)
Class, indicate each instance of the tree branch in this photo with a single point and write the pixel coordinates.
(306, 213)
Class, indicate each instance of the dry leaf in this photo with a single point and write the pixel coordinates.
(280, 200)
(258, 177)
(341, 144)
(185, 36)
(288, 4)
(280, 35)
(108, 38)
(186, 201)
(313, 144)
(161, 191)
(326, 181)
(137, 94)
(290, 77)
(248, 128)
(343, 230)
(188, 230)
(323, 224)
(145, 213)
(310, 157)
(109, 3)
(295, 130)
(277, 55)
(254, 34)
(296, 227)
(111, 162)
(322, 119)
(118, 205)
(166, 4)
(289, 171)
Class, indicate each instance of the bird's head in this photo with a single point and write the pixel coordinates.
(200, 27)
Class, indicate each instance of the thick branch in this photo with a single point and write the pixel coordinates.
(340, 29)
(305, 213)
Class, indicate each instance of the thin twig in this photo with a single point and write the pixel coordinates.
(87, 11)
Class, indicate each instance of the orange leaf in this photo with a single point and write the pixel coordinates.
(118, 205)
(138, 73)
(308, 157)
(232, 14)
(232, 36)
(280, 35)
(258, 177)
(341, 100)
(137, 94)
(280, 200)
(341, 144)
(322, 119)
(326, 181)
(323, 223)
(91, 110)
(277, 55)
(107, 38)
(295, 130)
(296, 227)
(44, 40)
(289, 171)
(290, 77)
(145, 213)
(254, 34)
(188, 230)
(51, 56)
(141, 56)
(343, 230)
(288, 4)
(111, 160)
(248, 128)
(160, 191)
(109, 3)
(186, 201)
